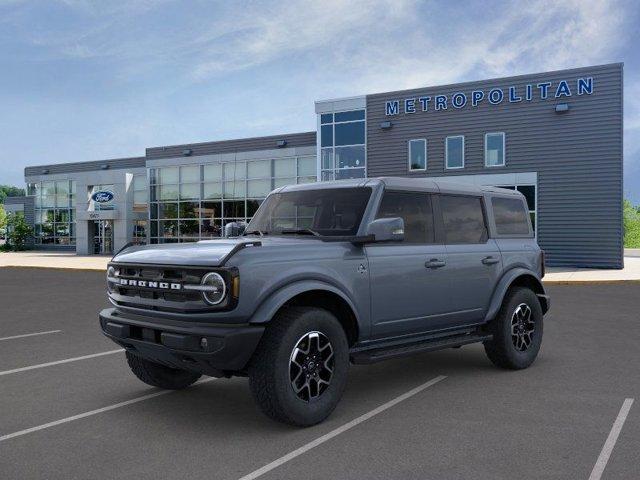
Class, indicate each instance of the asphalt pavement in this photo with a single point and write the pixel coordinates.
(80, 413)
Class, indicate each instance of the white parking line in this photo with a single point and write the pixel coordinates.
(334, 433)
(601, 463)
(30, 335)
(93, 412)
(49, 364)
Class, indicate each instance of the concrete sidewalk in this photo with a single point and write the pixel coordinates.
(561, 275)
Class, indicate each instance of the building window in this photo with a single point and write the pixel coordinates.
(193, 202)
(342, 144)
(494, 150)
(55, 222)
(454, 152)
(140, 195)
(140, 231)
(417, 154)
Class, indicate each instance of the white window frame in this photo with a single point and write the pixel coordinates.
(504, 149)
(446, 152)
(409, 155)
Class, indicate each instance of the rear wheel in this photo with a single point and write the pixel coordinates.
(160, 376)
(517, 331)
(299, 370)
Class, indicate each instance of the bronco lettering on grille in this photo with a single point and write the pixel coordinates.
(149, 284)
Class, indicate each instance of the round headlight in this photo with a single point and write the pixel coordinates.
(216, 289)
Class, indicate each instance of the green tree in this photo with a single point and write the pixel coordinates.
(631, 217)
(9, 191)
(18, 231)
(3, 218)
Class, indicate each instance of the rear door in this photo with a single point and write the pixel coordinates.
(408, 286)
(474, 264)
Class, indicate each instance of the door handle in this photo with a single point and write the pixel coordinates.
(490, 260)
(435, 263)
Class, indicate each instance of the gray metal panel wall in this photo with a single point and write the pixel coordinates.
(28, 209)
(577, 154)
(230, 146)
(113, 164)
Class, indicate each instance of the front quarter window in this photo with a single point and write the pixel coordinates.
(326, 212)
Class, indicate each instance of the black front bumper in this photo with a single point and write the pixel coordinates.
(214, 350)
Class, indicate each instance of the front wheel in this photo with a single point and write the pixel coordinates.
(299, 370)
(517, 331)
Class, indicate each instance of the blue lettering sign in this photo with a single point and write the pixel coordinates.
(441, 102)
(410, 105)
(544, 89)
(585, 85)
(392, 107)
(104, 196)
(529, 93)
(476, 97)
(459, 100)
(512, 95)
(496, 96)
(424, 101)
(563, 89)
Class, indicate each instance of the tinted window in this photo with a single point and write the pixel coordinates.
(417, 154)
(349, 116)
(415, 210)
(349, 133)
(510, 216)
(463, 219)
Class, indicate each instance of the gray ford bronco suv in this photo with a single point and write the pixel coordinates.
(331, 273)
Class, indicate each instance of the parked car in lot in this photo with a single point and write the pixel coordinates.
(327, 274)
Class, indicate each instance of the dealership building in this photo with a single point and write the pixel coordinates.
(554, 136)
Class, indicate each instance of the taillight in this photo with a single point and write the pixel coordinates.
(541, 263)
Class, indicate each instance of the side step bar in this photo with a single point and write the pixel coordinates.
(364, 357)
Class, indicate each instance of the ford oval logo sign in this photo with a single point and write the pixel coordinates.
(102, 197)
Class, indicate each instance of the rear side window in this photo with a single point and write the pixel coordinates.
(463, 219)
(415, 210)
(510, 216)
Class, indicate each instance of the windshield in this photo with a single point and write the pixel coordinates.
(325, 212)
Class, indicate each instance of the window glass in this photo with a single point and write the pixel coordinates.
(259, 169)
(326, 118)
(350, 157)
(189, 209)
(494, 149)
(190, 174)
(463, 219)
(326, 133)
(189, 191)
(235, 171)
(189, 228)
(234, 189)
(258, 188)
(455, 152)
(139, 183)
(510, 216)
(167, 210)
(168, 175)
(417, 154)
(349, 133)
(168, 192)
(529, 192)
(306, 166)
(349, 116)
(284, 167)
(212, 190)
(281, 182)
(327, 158)
(213, 172)
(349, 173)
(415, 210)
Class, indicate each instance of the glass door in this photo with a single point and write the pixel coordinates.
(103, 237)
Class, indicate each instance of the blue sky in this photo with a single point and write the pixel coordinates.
(82, 80)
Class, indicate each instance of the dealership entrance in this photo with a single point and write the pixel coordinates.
(102, 236)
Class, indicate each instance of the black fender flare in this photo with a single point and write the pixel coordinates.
(509, 278)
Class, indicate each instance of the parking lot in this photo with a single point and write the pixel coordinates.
(70, 408)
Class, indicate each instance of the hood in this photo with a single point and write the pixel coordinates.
(208, 253)
(205, 253)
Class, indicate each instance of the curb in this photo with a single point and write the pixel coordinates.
(589, 282)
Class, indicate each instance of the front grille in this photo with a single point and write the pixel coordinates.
(156, 287)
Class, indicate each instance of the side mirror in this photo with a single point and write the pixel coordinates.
(387, 229)
(234, 229)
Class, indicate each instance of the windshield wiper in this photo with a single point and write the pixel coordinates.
(300, 231)
(255, 232)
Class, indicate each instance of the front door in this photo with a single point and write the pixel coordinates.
(408, 291)
(103, 237)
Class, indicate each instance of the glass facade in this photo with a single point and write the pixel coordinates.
(342, 143)
(193, 202)
(55, 222)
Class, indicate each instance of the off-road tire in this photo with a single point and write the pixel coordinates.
(269, 368)
(160, 376)
(501, 350)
